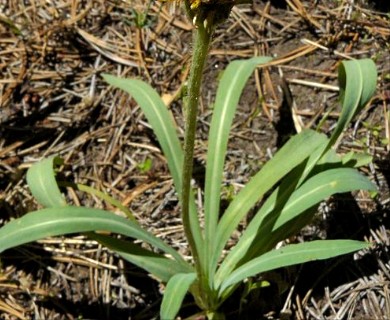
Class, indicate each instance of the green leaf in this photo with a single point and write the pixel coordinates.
(319, 188)
(158, 117)
(356, 160)
(290, 216)
(42, 182)
(357, 80)
(145, 166)
(252, 234)
(65, 220)
(290, 207)
(12, 26)
(295, 151)
(291, 255)
(41, 179)
(161, 267)
(229, 91)
(102, 195)
(356, 90)
(163, 126)
(174, 294)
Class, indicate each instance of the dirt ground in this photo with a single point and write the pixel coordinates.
(54, 101)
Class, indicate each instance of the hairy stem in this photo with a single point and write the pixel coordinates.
(202, 38)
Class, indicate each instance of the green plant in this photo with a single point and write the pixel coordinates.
(301, 174)
(140, 19)
(145, 166)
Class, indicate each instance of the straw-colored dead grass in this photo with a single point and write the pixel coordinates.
(53, 101)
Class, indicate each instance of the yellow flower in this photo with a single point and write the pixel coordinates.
(194, 3)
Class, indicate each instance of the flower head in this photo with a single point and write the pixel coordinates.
(194, 4)
(209, 12)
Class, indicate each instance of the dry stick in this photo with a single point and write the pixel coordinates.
(12, 311)
(141, 53)
(268, 82)
(298, 8)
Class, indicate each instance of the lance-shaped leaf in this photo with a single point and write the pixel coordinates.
(164, 127)
(229, 91)
(65, 220)
(320, 187)
(174, 294)
(41, 179)
(294, 152)
(288, 205)
(42, 182)
(300, 207)
(161, 267)
(291, 255)
(357, 84)
(159, 118)
(357, 80)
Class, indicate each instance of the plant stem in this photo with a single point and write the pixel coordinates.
(202, 38)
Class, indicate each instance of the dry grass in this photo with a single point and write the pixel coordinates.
(53, 101)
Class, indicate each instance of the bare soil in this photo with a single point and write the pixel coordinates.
(54, 101)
